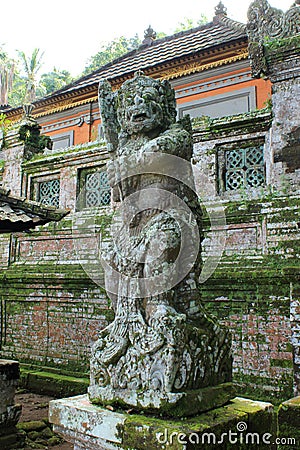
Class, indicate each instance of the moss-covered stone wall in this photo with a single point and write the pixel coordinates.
(53, 303)
(52, 310)
(255, 291)
(51, 315)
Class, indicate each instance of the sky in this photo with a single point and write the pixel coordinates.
(69, 32)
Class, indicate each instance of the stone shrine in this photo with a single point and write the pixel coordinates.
(162, 351)
(9, 411)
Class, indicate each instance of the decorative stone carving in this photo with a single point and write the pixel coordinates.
(220, 9)
(30, 134)
(9, 412)
(266, 24)
(162, 347)
(149, 36)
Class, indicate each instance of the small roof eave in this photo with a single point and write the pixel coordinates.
(20, 214)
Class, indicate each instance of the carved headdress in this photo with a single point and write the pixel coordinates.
(158, 96)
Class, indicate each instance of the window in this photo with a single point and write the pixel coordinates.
(244, 168)
(241, 166)
(48, 192)
(235, 102)
(100, 132)
(63, 140)
(94, 188)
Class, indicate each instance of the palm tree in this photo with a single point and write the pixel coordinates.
(31, 67)
(7, 68)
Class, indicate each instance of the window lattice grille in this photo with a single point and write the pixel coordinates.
(49, 192)
(97, 189)
(244, 168)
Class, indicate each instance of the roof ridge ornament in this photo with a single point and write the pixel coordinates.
(220, 9)
(27, 110)
(222, 18)
(266, 23)
(149, 36)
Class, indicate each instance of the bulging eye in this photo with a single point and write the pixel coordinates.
(128, 100)
(147, 96)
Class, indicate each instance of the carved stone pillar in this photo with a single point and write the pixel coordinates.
(274, 49)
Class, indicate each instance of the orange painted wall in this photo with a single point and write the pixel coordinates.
(86, 133)
(82, 134)
(263, 89)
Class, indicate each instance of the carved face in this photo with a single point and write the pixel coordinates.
(141, 107)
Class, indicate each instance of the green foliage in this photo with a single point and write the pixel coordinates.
(110, 51)
(274, 44)
(17, 93)
(19, 79)
(188, 23)
(31, 66)
(268, 104)
(34, 142)
(160, 35)
(53, 81)
(7, 69)
(5, 125)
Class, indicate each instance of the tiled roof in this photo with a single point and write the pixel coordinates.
(19, 214)
(220, 31)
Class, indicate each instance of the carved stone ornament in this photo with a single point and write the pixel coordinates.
(162, 346)
(220, 9)
(149, 36)
(268, 23)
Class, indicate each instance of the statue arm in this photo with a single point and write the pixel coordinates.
(174, 141)
(108, 112)
(107, 105)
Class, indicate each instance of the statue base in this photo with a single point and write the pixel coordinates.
(171, 404)
(9, 412)
(90, 427)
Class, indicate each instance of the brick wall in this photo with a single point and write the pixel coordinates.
(52, 307)
(54, 311)
(52, 316)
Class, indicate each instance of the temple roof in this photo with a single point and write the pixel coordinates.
(165, 58)
(221, 31)
(19, 214)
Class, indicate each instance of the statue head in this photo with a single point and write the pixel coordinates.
(145, 106)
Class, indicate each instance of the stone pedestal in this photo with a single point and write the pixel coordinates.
(239, 424)
(180, 404)
(289, 424)
(9, 412)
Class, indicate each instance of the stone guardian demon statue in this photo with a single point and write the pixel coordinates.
(163, 352)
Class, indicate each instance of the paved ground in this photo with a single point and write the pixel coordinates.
(35, 407)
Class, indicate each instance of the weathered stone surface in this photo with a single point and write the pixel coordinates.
(179, 404)
(9, 375)
(295, 316)
(9, 412)
(274, 48)
(161, 343)
(92, 428)
(13, 440)
(77, 415)
(266, 24)
(289, 423)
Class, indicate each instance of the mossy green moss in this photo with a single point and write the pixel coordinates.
(53, 383)
(208, 430)
(289, 423)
